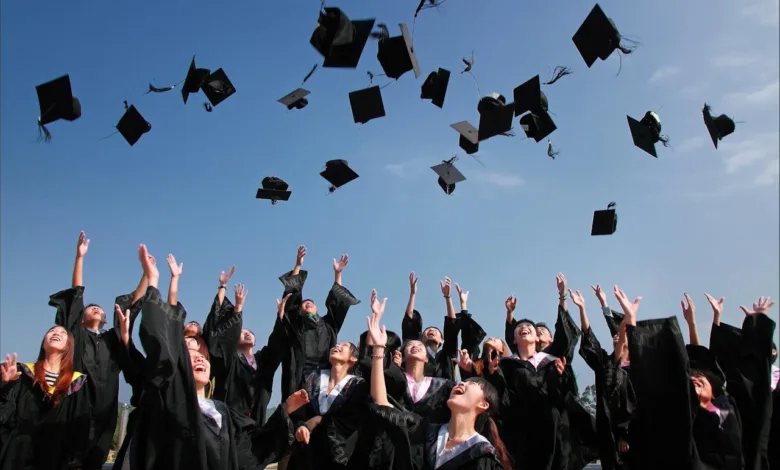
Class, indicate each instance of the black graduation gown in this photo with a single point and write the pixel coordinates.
(332, 443)
(432, 405)
(34, 435)
(662, 428)
(615, 401)
(236, 382)
(774, 433)
(308, 341)
(101, 356)
(471, 333)
(745, 356)
(169, 432)
(718, 440)
(408, 430)
(441, 364)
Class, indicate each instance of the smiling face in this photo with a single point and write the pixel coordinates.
(201, 368)
(56, 341)
(308, 307)
(343, 353)
(545, 338)
(432, 336)
(94, 316)
(246, 338)
(525, 333)
(467, 397)
(415, 350)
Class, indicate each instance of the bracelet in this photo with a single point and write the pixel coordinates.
(446, 296)
(378, 356)
(563, 297)
(222, 287)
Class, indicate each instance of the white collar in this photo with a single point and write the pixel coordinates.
(326, 399)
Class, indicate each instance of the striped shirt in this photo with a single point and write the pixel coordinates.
(51, 378)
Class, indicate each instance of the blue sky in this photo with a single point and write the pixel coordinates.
(694, 220)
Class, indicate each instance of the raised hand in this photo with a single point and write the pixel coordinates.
(338, 266)
(463, 360)
(377, 334)
(377, 308)
(688, 310)
(280, 305)
(464, 295)
(301, 254)
(560, 281)
(296, 400)
(577, 299)
(560, 365)
(412, 283)
(176, 269)
(446, 287)
(240, 292)
(629, 308)
(600, 294)
(124, 324)
(717, 307)
(82, 246)
(511, 303)
(762, 307)
(224, 277)
(398, 358)
(149, 264)
(8, 370)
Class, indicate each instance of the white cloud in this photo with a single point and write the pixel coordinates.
(502, 180)
(771, 173)
(761, 148)
(406, 169)
(734, 61)
(664, 73)
(764, 12)
(768, 94)
(690, 144)
(696, 90)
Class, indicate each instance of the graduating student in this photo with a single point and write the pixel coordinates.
(745, 356)
(99, 353)
(615, 400)
(467, 441)
(243, 378)
(178, 426)
(309, 337)
(441, 348)
(44, 408)
(326, 429)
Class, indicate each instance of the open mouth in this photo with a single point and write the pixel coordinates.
(335, 350)
(55, 338)
(459, 390)
(525, 331)
(199, 368)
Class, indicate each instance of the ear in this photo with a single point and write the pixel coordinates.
(483, 405)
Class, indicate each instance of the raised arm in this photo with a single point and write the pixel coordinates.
(224, 278)
(78, 267)
(293, 282)
(688, 311)
(590, 348)
(576, 299)
(613, 319)
(378, 337)
(173, 288)
(471, 333)
(560, 281)
(446, 291)
(509, 327)
(412, 295)
(340, 299)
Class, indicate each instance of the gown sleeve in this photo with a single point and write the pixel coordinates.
(509, 334)
(403, 429)
(70, 308)
(411, 327)
(339, 300)
(259, 446)
(565, 337)
(222, 331)
(660, 375)
(471, 333)
(449, 350)
(293, 285)
(161, 334)
(590, 350)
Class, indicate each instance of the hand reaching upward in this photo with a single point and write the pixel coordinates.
(412, 283)
(762, 307)
(338, 266)
(280, 304)
(224, 277)
(82, 246)
(629, 308)
(176, 270)
(446, 287)
(8, 370)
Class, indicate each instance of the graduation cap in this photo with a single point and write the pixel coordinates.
(435, 87)
(274, 189)
(604, 221)
(537, 126)
(296, 99)
(530, 97)
(56, 100)
(339, 40)
(448, 175)
(598, 37)
(194, 81)
(719, 126)
(338, 173)
(218, 87)
(469, 136)
(367, 104)
(495, 116)
(132, 125)
(647, 132)
(396, 55)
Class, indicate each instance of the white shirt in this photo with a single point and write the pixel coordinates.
(326, 399)
(444, 455)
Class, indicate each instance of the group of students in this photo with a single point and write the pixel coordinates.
(430, 399)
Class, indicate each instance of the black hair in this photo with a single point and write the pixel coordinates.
(486, 425)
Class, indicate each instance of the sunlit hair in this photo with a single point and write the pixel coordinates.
(202, 348)
(486, 426)
(188, 334)
(62, 385)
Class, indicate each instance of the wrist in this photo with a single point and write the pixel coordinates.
(222, 286)
(447, 296)
(380, 348)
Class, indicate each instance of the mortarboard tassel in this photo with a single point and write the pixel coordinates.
(558, 73)
(311, 72)
(552, 153)
(207, 106)
(154, 89)
(384, 33)
(43, 134)
(126, 106)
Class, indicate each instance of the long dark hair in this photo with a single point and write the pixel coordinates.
(485, 424)
(65, 377)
